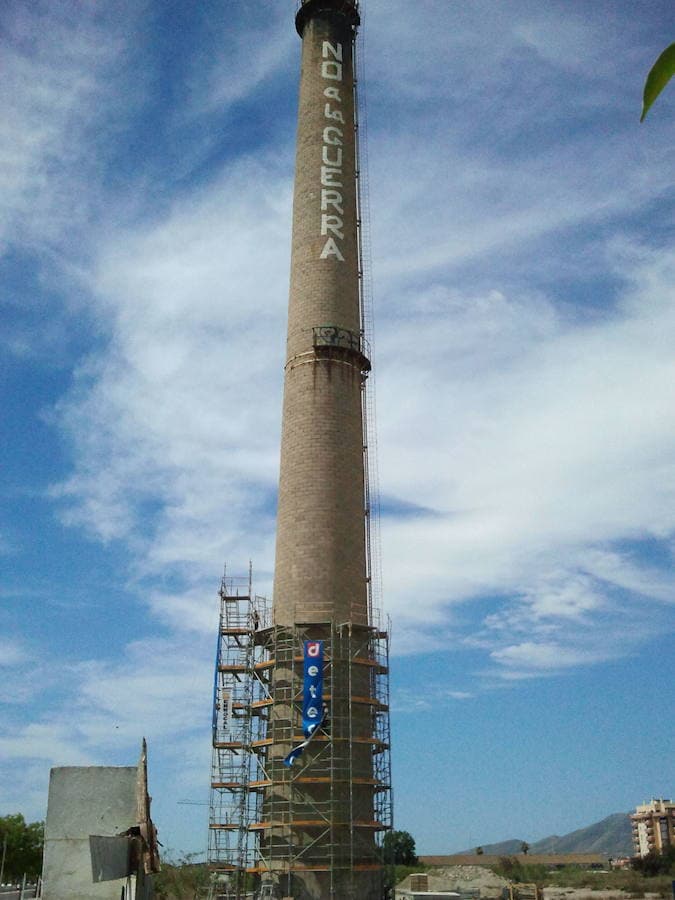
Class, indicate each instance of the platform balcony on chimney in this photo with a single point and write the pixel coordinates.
(335, 342)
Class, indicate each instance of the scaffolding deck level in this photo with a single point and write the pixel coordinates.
(365, 701)
(242, 745)
(312, 823)
(296, 867)
(265, 631)
(271, 663)
(242, 667)
(323, 738)
(317, 779)
(261, 785)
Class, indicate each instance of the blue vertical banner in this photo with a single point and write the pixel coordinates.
(312, 699)
(312, 696)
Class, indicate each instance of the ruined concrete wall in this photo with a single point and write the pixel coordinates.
(85, 801)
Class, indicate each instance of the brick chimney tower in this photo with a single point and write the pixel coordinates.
(320, 567)
(323, 818)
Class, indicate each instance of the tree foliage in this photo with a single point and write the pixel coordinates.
(659, 76)
(179, 882)
(656, 863)
(513, 868)
(24, 847)
(399, 848)
(181, 878)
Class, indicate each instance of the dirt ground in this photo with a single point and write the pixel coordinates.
(476, 878)
(463, 878)
(562, 893)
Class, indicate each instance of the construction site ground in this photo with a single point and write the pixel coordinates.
(484, 883)
(462, 879)
(561, 893)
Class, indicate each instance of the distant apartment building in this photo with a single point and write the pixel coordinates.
(653, 827)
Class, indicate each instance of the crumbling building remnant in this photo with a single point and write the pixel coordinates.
(100, 841)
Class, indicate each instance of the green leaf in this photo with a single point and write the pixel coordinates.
(659, 76)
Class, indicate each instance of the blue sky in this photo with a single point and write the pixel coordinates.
(522, 263)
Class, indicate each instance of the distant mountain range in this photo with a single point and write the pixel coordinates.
(610, 836)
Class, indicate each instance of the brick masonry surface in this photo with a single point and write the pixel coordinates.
(320, 566)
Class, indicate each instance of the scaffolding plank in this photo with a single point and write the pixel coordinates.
(315, 823)
(298, 867)
(317, 779)
(295, 823)
(265, 664)
(372, 663)
(370, 701)
(357, 660)
(325, 738)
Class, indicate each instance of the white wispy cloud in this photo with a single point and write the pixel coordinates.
(52, 742)
(115, 696)
(405, 700)
(623, 572)
(62, 92)
(532, 655)
(545, 451)
(234, 62)
(11, 653)
(183, 406)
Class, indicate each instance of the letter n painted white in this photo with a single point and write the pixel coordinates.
(330, 248)
(331, 70)
(329, 50)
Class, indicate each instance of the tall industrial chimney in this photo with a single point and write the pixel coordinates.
(301, 787)
(320, 567)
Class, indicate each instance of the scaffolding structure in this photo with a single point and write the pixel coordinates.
(240, 707)
(326, 814)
